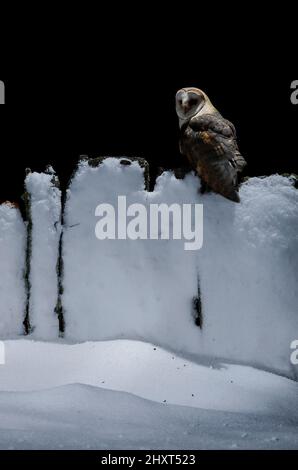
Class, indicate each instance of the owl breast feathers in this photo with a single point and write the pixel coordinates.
(209, 143)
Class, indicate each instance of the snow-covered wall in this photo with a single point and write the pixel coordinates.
(145, 288)
(249, 274)
(12, 266)
(44, 212)
(125, 288)
(246, 271)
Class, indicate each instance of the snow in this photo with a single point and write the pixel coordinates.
(88, 396)
(45, 208)
(249, 274)
(12, 265)
(133, 370)
(123, 288)
(144, 289)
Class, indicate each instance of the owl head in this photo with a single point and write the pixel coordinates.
(192, 102)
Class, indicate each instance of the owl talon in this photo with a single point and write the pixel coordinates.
(204, 188)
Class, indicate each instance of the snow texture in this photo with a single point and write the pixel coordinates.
(89, 396)
(12, 265)
(144, 289)
(124, 288)
(45, 212)
(249, 274)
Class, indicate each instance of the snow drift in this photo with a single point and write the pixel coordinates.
(88, 396)
(12, 267)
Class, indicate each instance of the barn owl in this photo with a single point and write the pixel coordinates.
(209, 143)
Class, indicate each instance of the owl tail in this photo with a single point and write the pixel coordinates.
(221, 177)
(232, 196)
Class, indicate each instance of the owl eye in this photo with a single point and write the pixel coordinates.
(192, 101)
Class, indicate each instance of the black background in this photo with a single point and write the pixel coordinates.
(82, 82)
(111, 92)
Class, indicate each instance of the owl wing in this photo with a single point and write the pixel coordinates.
(215, 149)
(219, 133)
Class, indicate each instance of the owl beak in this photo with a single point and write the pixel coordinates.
(185, 107)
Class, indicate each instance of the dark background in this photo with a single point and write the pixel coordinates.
(114, 96)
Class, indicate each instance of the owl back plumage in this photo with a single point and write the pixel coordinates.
(209, 143)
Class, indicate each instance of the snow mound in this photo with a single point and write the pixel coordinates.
(229, 407)
(182, 380)
(83, 418)
(12, 265)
